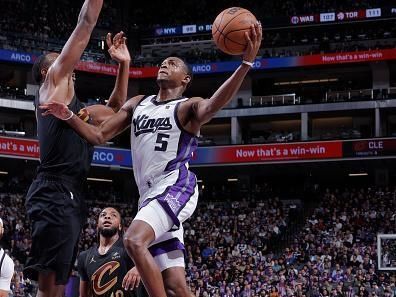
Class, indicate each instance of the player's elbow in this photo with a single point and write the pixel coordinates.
(99, 139)
(206, 114)
(95, 138)
(87, 23)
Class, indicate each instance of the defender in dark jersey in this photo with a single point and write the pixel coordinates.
(106, 270)
(54, 201)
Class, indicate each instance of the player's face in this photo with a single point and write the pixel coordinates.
(172, 72)
(109, 222)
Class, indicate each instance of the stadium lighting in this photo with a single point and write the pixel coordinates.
(232, 179)
(3, 172)
(311, 81)
(358, 174)
(100, 179)
(199, 181)
(14, 133)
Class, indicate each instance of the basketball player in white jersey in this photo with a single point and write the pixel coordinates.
(6, 268)
(163, 137)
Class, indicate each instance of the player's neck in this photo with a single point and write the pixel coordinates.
(165, 94)
(106, 243)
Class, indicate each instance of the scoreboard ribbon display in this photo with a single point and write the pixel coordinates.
(222, 67)
(233, 154)
(369, 148)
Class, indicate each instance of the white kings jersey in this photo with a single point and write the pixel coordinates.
(161, 149)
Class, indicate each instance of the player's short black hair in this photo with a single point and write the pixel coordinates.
(36, 69)
(188, 71)
(43, 61)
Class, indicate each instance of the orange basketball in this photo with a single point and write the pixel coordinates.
(229, 29)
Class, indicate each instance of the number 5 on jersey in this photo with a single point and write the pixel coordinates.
(161, 139)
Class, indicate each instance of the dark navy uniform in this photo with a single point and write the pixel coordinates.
(54, 202)
(105, 273)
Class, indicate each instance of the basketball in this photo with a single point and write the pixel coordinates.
(229, 27)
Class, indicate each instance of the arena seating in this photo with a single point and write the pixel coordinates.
(240, 249)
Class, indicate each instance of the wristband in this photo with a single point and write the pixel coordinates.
(247, 63)
(69, 117)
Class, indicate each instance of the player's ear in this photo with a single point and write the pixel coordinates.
(44, 73)
(120, 227)
(186, 80)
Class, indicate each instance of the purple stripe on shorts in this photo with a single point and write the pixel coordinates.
(176, 196)
(187, 145)
(190, 191)
(167, 246)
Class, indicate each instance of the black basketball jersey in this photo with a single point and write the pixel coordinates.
(62, 151)
(105, 273)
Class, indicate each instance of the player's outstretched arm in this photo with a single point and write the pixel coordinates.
(118, 51)
(78, 40)
(204, 110)
(95, 135)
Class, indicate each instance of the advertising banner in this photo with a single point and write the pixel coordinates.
(267, 153)
(19, 57)
(221, 67)
(28, 148)
(112, 157)
(109, 69)
(320, 59)
(233, 154)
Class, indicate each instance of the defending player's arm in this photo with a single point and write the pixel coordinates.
(84, 279)
(97, 114)
(118, 51)
(131, 279)
(78, 41)
(95, 135)
(204, 110)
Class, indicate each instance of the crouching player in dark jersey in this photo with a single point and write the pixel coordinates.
(106, 270)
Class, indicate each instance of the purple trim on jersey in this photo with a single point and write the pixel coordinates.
(167, 246)
(187, 145)
(179, 125)
(176, 196)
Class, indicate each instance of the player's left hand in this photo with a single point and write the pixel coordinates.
(253, 42)
(131, 279)
(118, 49)
(57, 109)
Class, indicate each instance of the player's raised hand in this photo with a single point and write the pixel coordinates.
(131, 279)
(253, 42)
(57, 109)
(118, 49)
